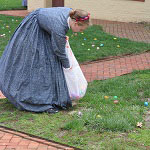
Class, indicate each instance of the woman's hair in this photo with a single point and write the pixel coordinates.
(80, 16)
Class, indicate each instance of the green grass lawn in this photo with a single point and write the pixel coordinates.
(11, 5)
(113, 46)
(103, 124)
(81, 44)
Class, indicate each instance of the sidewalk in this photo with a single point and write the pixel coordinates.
(132, 31)
(96, 70)
(14, 140)
(104, 69)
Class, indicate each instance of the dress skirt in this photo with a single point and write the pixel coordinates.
(31, 75)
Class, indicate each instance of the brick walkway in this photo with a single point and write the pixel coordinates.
(97, 70)
(20, 13)
(132, 31)
(105, 69)
(12, 140)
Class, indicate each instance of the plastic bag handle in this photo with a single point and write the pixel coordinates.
(70, 51)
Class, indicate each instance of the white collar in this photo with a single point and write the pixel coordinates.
(68, 22)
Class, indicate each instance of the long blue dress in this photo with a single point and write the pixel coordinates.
(31, 67)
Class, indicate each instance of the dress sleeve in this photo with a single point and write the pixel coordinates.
(58, 44)
(58, 39)
(45, 22)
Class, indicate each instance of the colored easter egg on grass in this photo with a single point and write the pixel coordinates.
(106, 97)
(115, 97)
(80, 113)
(116, 101)
(145, 103)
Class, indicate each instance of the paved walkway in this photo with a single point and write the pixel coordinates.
(14, 140)
(132, 31)
(97, 70)
(20, 13)
(105, 69)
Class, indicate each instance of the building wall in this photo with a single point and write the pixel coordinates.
(115, 10)
(34, 4)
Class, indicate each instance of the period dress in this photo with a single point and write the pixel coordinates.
(31, 67)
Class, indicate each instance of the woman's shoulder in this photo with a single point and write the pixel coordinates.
(55, 18)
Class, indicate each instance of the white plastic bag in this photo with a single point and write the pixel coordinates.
(75, 79)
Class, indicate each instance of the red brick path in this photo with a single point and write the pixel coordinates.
(12, 140)
(98, 70)
(20, 13)
(132, 31)
(101, 70)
